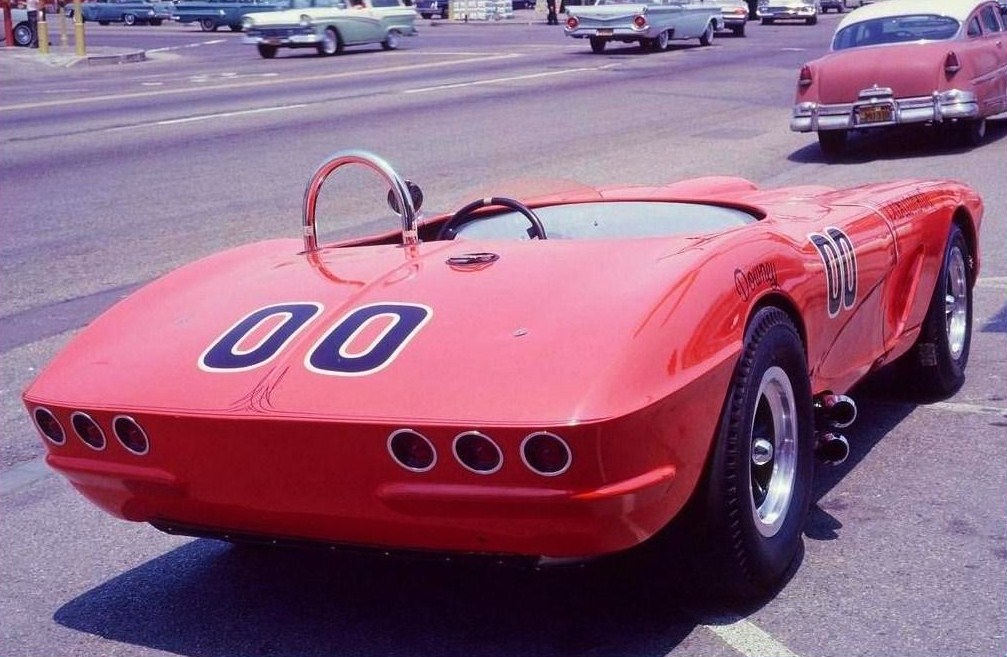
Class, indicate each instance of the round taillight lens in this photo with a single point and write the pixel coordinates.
(131, 435)
(546, 454)
(412, 450)
(88, 430)
(49, 426)
(572, 22)
(640, 22)
(478, 453)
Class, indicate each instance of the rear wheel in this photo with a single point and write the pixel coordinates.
(660, 42)
(156, 21)
(597, 45)
(973, 132)
(392, 41)
(23, 35)
(208, 24)
(129, 19)
(832, 142)
(935, 366)
(739, 30)
(767, 21)
(812, 21)
(761, 470)
(267, 51)
(706, 38)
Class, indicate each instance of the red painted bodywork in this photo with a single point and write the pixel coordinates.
(624, 348)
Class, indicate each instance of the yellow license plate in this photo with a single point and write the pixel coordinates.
(874, 114)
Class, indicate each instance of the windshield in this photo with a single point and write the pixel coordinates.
(895, 29)
(610, 220)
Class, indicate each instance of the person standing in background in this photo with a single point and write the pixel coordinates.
(551, 18)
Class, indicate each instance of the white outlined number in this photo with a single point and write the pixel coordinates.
(840, 260)
(336, 353)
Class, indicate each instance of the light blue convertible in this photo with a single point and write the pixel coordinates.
(652, 24)
(331, 25)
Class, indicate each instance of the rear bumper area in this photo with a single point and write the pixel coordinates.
(471, 518)
(937, 108)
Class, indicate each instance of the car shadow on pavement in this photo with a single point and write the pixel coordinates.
(902, 143)
(881, 406)
(211, 599)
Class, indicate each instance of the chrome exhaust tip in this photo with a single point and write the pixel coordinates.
(837, 411)
(832, 448)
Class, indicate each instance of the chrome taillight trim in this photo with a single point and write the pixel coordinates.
(391, 452)
(55, 419)
(566, 446)
(104, 439)
(500, 455)
(115, 432)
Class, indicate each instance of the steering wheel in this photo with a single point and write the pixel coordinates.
(458, 219)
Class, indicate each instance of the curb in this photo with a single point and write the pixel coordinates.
(66, 57)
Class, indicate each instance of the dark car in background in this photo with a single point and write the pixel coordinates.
(212, 14)
(129, 12)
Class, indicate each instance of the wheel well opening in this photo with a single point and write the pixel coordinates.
(787, 306)
(963, 220)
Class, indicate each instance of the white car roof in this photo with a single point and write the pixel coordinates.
(958, 9)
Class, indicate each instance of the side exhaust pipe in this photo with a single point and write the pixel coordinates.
(832, 448)
(836, 411)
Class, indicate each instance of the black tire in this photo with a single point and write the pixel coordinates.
(812, 21)
(129, 19)
(330, 42)
(973, 132)
(598, 45)
(208, 24)
(235, 28)
(156, 21)
(935, 367)
(832, 143)
(767, 21)
(23, 35)
(392, 40)
(759, 482)
(266, 51)
(706, 38)
(102, 22)
(739, 30)
(660, 42)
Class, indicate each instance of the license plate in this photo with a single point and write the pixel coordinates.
(874, 114)
(603, 32)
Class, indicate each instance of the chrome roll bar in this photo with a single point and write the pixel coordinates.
(399, 191)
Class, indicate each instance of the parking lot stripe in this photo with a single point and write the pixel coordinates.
(746, 637)
(513, 78)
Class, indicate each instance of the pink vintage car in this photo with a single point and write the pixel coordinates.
(937, 62)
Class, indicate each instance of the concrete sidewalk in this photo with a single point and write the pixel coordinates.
(66, 56)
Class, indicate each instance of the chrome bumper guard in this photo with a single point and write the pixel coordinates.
(936, 108)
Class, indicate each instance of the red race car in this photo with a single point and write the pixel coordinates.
(904, 62)
(554, 377)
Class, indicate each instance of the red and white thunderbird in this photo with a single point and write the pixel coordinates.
(939, 62)
(560, 375)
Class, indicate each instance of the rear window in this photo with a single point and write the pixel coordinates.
(896, 29)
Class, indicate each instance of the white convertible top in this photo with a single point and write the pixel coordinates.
(957, 9)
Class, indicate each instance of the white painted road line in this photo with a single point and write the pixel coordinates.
(252, 83)
(513, 78)
(746, 637)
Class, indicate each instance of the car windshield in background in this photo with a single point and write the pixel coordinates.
(896, 29)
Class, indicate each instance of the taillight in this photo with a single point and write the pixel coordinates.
(640, 22)
(88, 430)
(572, 22)
(804, 79)
(412, 450)
(546, 454)
(131, 435)
(478, 453)
(49, 426)
(951, 64)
